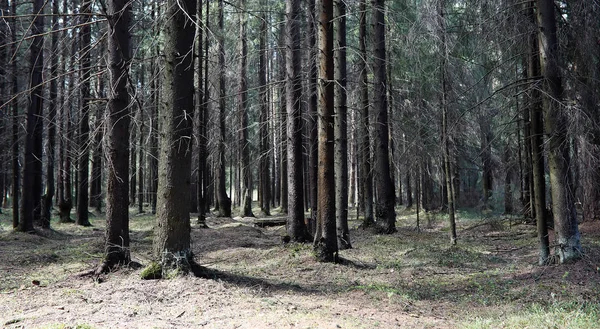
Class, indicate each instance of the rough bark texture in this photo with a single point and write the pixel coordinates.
(295, 224)
(172, 240)
(246, 170)
(384, 209)
(563, 206)
(117, 135)
(341, 131)
(536, 132)
(83, 162)
(325, 238)
(365, 171)
(32, 173)
(224, 202)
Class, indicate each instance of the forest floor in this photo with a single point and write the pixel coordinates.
(410, 279)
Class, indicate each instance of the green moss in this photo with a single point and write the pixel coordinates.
(152, 272)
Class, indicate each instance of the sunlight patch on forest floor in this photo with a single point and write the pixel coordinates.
(413, 278)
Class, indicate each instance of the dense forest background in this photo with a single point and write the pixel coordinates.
(302, 109)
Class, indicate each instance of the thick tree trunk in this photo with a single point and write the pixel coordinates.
(117, 135)
(385, 213)
(83, 162)
(341, 131)
(536, 135)
(366, 172)
(555, 119)
(295, 224)
(32, 173)
(172, 241)
(325, 239)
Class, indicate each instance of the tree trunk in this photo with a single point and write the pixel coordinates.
(295, 223)
(365, 150)
(32, 174)
(265, 177)
(312, 112)
(52, 106)
(83, 163)
(224, 206)
(341, 131)
(201, 119)
(445, 134)
(385, 214)
(326, 248)
(16, 171)
(536, 133)
(172, 240)
(244, 147)
(555, 119)
(117, 135)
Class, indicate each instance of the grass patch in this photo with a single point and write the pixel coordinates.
(537, 316)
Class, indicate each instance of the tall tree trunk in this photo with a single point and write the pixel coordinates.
(200, 116)
(555, 119)
(341, 131)
(445, 133)
(326, 239)
(265, 177)
(366, 173)
(224, 202)
(32, 174)
(155, 89)
(51, 146)
(117, 135)
(16, 171)
(83, 164)
(244, 147)
(172, 241)
(536, 142)
(385, 214)
(312, 111)
(295, 223)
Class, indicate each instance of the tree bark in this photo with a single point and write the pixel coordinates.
(555, 118)
(385, 213)
(244, 147)
(32, 173)
(265, 177)
(445, 133)
(312, 112)
(536, 132)
(83, 162)
(117, 135)
(295, 223)
(366, 172)
(224, 202)
(325, 239)
(341, 131)
(172, 241)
